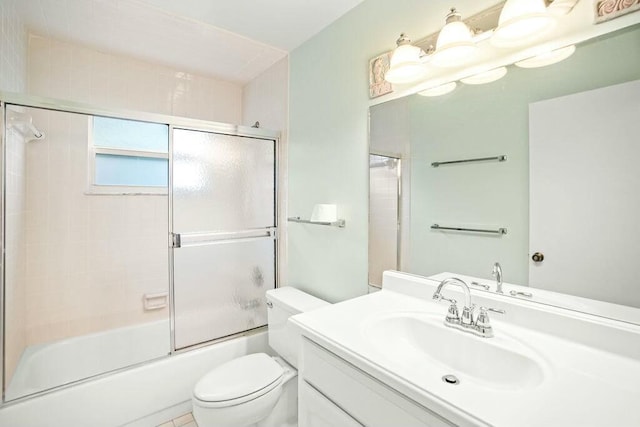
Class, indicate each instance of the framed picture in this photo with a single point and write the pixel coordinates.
(378, 66)
(610, 9)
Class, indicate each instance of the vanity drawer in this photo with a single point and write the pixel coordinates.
(318, 411)
(363, 397)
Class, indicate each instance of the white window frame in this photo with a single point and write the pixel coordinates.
(96, 189)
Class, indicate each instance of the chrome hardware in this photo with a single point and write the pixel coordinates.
(483, 323)
(452, 314)
(501, 158)
(467, 317)
(451, 379)
(340, 223)
(480, 285)
(497, 273)
(175, 240)
(480, 325)
(521, 294)
(500, 230)
(269, 304)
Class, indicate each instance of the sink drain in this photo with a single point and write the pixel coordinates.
(451, 379)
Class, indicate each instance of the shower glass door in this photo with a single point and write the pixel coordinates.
(224, 248)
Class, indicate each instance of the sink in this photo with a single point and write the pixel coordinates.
(421, 340)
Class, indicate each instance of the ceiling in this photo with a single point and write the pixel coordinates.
(234, 40)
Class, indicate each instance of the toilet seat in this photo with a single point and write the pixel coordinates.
(238, 381)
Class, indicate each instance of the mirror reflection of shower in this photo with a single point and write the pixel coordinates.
(384, 216)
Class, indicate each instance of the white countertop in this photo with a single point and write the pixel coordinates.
(582, 386)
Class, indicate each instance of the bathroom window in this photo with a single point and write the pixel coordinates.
(128, 157)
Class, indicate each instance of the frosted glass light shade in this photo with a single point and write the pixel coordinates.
(455, 44)
(547, 58)
(405, 65)
(522, 21)
(439, 90)
(485, 76)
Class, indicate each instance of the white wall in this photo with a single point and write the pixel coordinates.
(13, 48)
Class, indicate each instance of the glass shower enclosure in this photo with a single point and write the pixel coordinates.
(127, 237)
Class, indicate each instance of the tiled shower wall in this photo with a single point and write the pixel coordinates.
(90, 258)
(13, 48)
(16, 256)
(13, 77)
(72, 72)
(93, 257)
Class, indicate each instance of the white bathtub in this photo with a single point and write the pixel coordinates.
(143, 396)
(49, 365)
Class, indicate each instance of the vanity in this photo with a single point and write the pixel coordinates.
(388, 359)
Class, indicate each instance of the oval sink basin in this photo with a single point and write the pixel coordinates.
(417, 339)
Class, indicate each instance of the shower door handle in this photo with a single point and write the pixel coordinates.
(176, 240)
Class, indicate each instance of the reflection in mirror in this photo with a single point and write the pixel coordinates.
(384, 211)
(86, 272)
(568, 189)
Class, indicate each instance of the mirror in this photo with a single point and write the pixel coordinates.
(567, 190)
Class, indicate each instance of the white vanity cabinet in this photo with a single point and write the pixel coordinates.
(333, 392)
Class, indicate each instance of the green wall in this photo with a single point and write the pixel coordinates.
(328, 147)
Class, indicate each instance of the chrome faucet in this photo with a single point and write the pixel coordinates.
(467, 311)
(497, 273)
(479, 326)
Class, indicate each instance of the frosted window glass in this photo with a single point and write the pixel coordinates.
(220, 288)
(131, 171)
(130, 135)
(222, 182)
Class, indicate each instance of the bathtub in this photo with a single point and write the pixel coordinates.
(142, 396)
(48, 365)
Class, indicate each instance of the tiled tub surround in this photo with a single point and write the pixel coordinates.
(15, 315)
(72, 72)
(84, 261)
(13, 48)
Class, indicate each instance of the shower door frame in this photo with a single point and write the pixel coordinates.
(30, 101)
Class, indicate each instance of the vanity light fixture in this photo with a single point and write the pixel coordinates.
(406, 64)
(439, 90)
(547, 58)
(522, 21)
(485, 76)
(455, 45)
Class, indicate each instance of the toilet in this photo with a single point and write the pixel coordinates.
(258, 389)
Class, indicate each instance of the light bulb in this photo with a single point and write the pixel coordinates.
(522, 21)
(455, 44)
(405, 65)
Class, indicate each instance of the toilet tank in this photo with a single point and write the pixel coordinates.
(283, 303)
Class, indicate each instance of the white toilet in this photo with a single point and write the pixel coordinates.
(258, 389)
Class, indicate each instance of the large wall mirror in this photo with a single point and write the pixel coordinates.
(569, 188)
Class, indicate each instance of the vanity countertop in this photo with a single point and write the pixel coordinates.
(581, 385)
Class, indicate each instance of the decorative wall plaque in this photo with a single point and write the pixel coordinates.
(610, 9)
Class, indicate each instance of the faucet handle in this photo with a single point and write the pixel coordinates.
(483, 323)
(467, 316)
(452, 314)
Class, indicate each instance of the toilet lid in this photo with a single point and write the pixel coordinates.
(239, 377)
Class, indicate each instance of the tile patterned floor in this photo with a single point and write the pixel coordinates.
(185, 420)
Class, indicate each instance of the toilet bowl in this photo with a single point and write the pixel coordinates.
(258, 389)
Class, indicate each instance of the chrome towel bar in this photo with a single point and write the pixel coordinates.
(337, 223)
(501, 158)
(500, 230)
